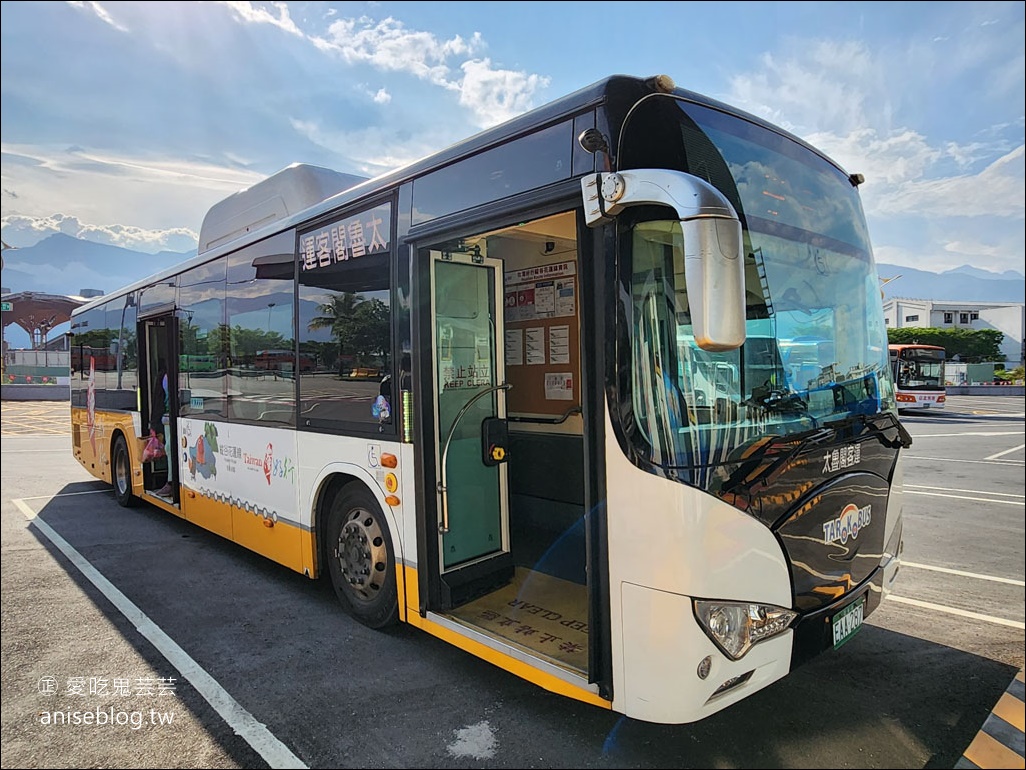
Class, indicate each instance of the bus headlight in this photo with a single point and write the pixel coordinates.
(736, 626)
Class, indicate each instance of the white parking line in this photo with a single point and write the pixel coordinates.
(953, 489)
(1007, 451)
(962, 460)
(107, 490)
(967, 433)
(961, 613)
(966, 497)
(274, 752)
(976, 575)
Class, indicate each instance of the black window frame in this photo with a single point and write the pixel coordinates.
(357, 428)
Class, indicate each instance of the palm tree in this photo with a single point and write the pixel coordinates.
(361, 326)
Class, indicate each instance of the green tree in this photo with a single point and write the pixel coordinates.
(359, 325)
(973, 346)
(96, 339)
(324, 354)
(246, 342)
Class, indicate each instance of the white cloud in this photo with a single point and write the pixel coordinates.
(26, 231)
(830, 86)
(100, 12)
(840, 96)
(904, 175)
(932, 203)
(997, 191)
(389, 46)
(250, 14)
(491, 95)
(162, 194)
(885, 160)
(373, 150)
(938, 254)
(496, 95)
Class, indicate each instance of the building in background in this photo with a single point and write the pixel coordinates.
(1009, 318)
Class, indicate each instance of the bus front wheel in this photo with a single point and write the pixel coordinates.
(121, 473)
(360, 559)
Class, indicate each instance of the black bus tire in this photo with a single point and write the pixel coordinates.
(121, 473)
(360, 559)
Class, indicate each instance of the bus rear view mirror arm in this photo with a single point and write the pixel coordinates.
(713, 244)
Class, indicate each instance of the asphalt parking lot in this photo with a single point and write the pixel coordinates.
(917, 684)
(35, 418)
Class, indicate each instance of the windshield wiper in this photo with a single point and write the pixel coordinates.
(778, 400)
(903, 439)
(774, 454)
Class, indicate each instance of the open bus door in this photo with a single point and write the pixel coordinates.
(159, 351)
(472, 490)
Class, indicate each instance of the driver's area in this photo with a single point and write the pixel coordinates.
(692, 407)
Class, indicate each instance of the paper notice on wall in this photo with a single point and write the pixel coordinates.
(544, 299)
(514, 347)
(566, 302)
(547, 291)
(534, 343)
(559, 344)
(559, 386)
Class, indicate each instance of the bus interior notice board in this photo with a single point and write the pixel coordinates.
(542, 345)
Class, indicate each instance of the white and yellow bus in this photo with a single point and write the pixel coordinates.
(560, 454)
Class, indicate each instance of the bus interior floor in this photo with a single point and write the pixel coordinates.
(544, 614)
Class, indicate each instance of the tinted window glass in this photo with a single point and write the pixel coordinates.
(123, 359)
(584, 161)
(158, 295)
(345, 322)
(202, 368)
(261, 334)
(532, 161)
(90, 353)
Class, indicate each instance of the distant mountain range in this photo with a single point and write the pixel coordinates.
(962, 284)
(61, 264)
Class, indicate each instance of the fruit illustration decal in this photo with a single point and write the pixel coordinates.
(203, 454)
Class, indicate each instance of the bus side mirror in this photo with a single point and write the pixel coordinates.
(714, 258)
(714, 267)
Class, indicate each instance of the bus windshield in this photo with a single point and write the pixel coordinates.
(919, 368)
(816, 350)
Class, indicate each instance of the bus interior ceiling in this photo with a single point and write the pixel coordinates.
(546, 468)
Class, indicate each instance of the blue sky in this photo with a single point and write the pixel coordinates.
(124, 122)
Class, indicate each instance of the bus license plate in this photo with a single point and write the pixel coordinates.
(848, 621)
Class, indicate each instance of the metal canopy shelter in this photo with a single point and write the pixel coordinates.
(37, 313)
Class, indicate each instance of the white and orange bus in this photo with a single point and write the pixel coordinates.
(569, 462)
(918, 372)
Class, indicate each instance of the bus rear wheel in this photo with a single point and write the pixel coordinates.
(360, 559)
(121, 473)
